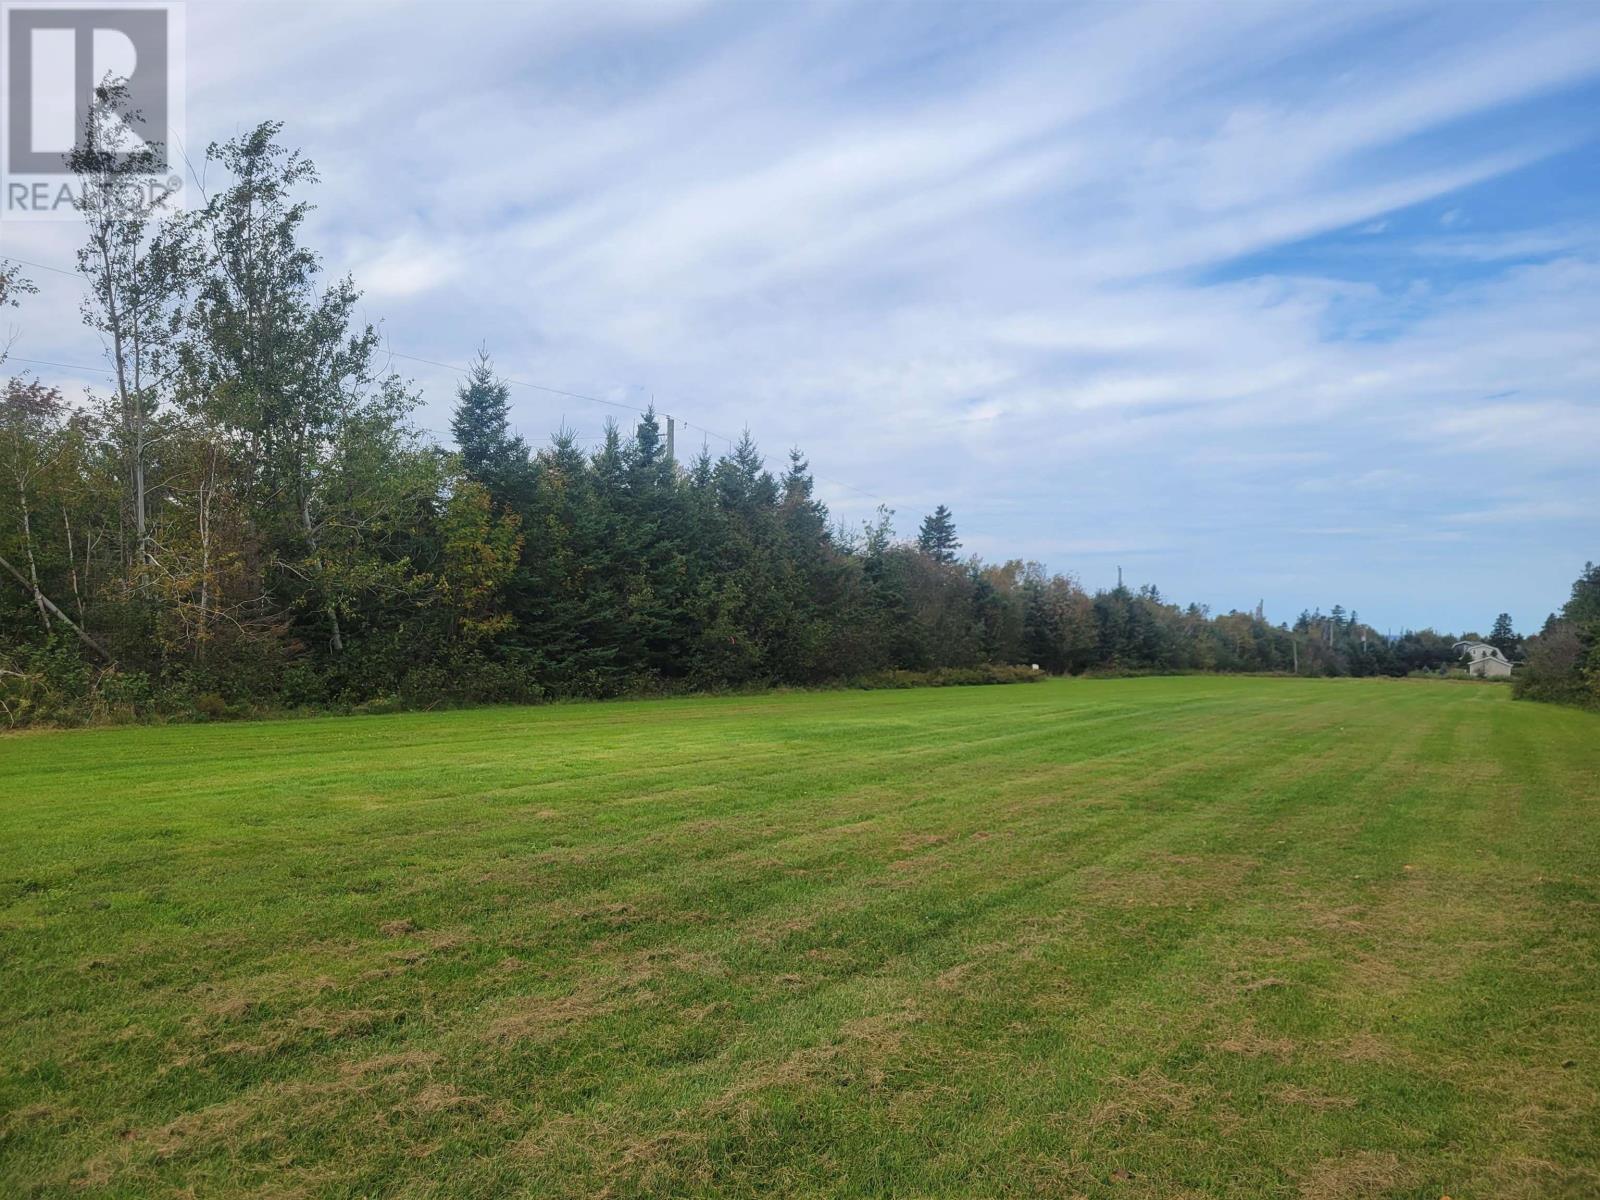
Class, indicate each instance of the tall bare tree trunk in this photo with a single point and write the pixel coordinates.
(27, 546)
(208, 488)
(88, 569)
(141, 530)
(72, 565)
(132, 416)
(337, 640)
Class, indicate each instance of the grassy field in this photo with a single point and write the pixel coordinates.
(1142, 938)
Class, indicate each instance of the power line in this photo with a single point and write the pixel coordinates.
(40, 362)
(42, 266)
(432, 362)
(692, 425)
(852, 487)
(522, 383)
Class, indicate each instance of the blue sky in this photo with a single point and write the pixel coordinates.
(1294, 303)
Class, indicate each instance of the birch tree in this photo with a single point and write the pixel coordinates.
(32, 436)
(276, 356)
(134, 288)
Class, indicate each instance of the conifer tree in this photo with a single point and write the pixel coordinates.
(1503, 636)
(938, 536)
(481, 424)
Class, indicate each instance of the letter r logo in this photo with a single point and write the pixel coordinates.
(57, 55)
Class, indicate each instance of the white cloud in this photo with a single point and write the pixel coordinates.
(977, 256)
(403, 268)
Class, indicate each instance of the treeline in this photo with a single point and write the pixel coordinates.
(1562, 661)
(247, 520)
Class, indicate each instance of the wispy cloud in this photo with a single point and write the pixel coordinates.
(1069, 270)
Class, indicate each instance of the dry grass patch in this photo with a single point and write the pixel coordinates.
(1135, 1101)
(1169, 881)
(589, 999)
(1360, 1175)
(1304, 1097)
(1248, 1040)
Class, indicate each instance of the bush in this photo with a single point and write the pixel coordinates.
(211, 706)
(1563, 667)
(951, 677)
(46, 684)
(468, 679)
(303, 685)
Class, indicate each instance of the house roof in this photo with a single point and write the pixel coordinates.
(1477, 648)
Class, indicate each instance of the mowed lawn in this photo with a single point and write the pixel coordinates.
(1142, 938)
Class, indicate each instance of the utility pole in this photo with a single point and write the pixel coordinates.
(672, 425)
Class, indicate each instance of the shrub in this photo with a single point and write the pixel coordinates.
(211, 706)
(303, 685)
(1563, 667)
(124, 690)
(951, 677)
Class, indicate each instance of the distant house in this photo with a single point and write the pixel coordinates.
(1484, 660)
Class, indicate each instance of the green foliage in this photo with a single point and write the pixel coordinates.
(937, 538)
(479, 550)
(491, 454)
(1503, 635)
(211, 706)
(988, 673)
(1563, 660)
(1583, 607)
(51, 683)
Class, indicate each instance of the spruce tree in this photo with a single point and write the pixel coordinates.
(938, 537)
(805, 517)
(1503, 636)
(1584, 606)
(490, 452)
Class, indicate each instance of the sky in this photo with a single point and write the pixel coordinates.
(1293, 303)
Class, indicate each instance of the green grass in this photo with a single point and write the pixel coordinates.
(1135, 938)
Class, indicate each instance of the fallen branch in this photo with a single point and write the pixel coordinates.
(40, 598)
